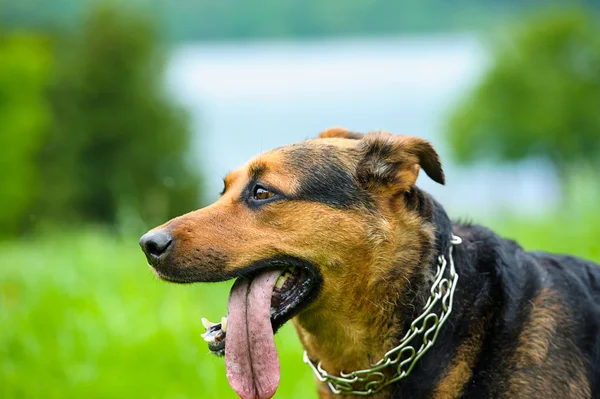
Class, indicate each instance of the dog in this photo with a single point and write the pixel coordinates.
(390, 299)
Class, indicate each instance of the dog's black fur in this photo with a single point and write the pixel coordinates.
(499, 283)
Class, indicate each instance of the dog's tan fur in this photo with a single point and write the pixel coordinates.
(545, 364)
(348, 326)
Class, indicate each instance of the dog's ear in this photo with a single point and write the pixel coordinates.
(392, 162)
(340, 132)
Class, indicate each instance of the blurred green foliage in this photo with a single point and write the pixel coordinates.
(90, 134)
(117, 147)
(541, 96)
(25, 66)
(81, 325)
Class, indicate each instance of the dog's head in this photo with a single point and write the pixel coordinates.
(302, 227)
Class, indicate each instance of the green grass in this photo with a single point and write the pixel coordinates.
(81, 316)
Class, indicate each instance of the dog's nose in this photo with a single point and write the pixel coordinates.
(155, 245)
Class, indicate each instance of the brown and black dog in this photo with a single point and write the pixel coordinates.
(333, 233)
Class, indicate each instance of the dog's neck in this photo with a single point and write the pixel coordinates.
(356, 325)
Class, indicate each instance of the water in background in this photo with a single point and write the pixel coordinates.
(249, 97)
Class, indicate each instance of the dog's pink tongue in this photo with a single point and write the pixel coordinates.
(250, 353)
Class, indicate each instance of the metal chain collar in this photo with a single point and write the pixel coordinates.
(404, 356)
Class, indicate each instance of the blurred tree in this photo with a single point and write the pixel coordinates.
(118, 149)
(541, 97)
(25, 68)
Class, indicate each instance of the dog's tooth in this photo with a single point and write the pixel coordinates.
(210, 339)
(224, 324)
(207, 324)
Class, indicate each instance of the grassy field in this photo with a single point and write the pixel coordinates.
(81, 316)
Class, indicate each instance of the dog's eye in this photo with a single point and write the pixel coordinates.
(261, 193)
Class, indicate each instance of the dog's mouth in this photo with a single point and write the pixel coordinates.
(259, 305)
(291, 293)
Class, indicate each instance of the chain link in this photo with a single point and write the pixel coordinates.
(404, 356)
